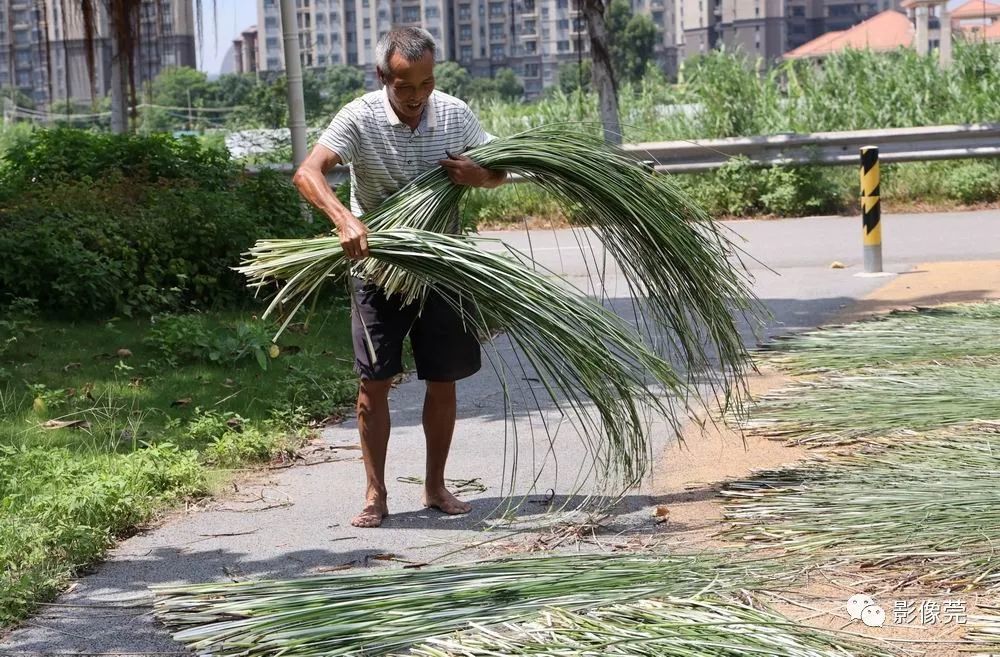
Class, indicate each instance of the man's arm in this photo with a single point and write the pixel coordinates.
(310, 180)
(464, 171)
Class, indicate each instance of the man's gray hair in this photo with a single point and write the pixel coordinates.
(410, 42)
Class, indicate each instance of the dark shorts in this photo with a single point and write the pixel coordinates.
(443, 348)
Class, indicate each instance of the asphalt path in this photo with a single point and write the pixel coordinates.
(294, 522)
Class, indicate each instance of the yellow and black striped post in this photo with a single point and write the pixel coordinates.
(871, 210)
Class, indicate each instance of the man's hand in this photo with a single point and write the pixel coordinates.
(353, 238)
(464, 171)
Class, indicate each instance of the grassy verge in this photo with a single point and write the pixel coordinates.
(741, 191)
(103, 423)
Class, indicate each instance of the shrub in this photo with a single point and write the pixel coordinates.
(740, 189)
(315, 389)
(973, 182)
(135, 232)
(66, 155)
(191, 338)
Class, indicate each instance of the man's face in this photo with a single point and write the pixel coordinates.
(410, 85)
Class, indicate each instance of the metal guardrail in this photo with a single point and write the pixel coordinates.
(825, 148)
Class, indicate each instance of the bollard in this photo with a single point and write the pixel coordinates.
(871, 210)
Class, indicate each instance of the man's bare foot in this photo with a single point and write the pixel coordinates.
(371, 515)
(444, 501)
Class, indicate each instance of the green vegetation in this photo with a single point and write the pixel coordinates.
(103, 422)
(63, 508)
(131, 365)
(133, 225)
(727, 94)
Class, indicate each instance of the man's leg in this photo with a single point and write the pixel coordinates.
(373, 425)
(378, 324)
(439, 426)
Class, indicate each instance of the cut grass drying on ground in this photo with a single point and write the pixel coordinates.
(386, 612)
(902, 337)
(925, 504)
(668, 627)
(847, 407)
(103, 423)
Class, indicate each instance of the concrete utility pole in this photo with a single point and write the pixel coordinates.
(293, 73)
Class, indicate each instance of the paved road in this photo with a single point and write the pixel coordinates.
(296, 521)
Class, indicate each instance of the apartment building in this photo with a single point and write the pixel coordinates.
(767, 28)
(22, 49)
(340, 31)
(532, 37)
(43, 52)
(243, 52)
(57, 58)
(755, 26)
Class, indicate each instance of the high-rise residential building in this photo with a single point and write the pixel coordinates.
(698, 26)
(756, 27)
(244, 52)
(22, 51)
(43, 50)
(766, 28)
(339, 31)
(531, 37)
(664, 14)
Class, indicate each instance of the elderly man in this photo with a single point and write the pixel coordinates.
(388, 137)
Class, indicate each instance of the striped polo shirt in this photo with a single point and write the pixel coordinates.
(384, 153)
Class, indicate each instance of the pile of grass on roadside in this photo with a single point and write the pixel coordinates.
(102, 423)
(669, 627)
(911, 403)
(915, 370)
(388, 611)
(901, 337)
(925, 504)
(853, 406)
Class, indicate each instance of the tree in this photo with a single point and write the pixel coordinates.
(573, 76)
(338, 85)
(632, 41)
(451, 78)
(602, 73)
(233, 89)
(267, 103)
(17, 97)
(640, 47)
(507, 85)
(504, 85)
(178, 87)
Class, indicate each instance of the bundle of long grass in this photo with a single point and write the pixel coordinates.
(926, 503)
(589, 362)
(902, 337)
(390, 611)
(671, 627)
(585, 355)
